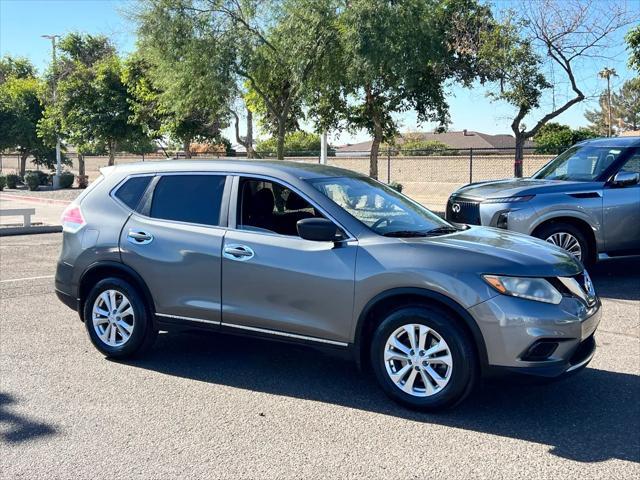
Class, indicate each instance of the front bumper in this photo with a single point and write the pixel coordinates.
(511, 326)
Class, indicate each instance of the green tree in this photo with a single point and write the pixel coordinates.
(417, 147)
(92, 110)
(561, 33)
(554, 137)
(20, 111)
(394, 57)
(16, 67)
(300, 142)
(625, 110)
(180, 78)
(633, 40)
(264, 51)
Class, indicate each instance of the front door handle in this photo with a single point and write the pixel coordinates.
(238, 252)
(139, 237)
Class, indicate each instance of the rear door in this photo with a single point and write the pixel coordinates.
(276, 282)
(174, 241)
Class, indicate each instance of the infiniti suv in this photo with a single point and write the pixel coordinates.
(326, 257)
(586, 200)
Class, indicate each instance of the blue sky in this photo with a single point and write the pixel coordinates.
(22, 22)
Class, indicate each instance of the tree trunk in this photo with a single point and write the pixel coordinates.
(375, 148)
(281, 135)
(23, 163)
(249, 139)
(186, 145)
(517, 165)
(111, 145)
(81, 168)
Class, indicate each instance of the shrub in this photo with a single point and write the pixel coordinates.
(396, 186)
(43, 177)
(32, 179)
(12, 180)
(3, 182)
(66, 179)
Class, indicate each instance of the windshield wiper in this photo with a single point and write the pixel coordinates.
(405, 233)
(440, 231)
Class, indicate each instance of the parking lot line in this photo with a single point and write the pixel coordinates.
(26, 278)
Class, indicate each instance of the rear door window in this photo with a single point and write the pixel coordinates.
(188, 198)
(132, 190)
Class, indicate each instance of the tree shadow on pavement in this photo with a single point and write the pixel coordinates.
(617, 278)
(17, 428)
(592, 417)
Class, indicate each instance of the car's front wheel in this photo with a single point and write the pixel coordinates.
(117, 319)
(569, 238)
(423, 359)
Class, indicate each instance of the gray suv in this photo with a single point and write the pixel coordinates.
(326, 257)
(586, 200)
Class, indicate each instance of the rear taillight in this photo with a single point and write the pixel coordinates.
(72, 219)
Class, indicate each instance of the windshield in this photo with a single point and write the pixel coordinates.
(580, 163)
(381, 208)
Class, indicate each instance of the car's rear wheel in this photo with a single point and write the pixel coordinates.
(569, 238)
(423, 359)
(117, 319)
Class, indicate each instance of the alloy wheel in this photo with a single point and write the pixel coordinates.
(567, 242)
(418, 360)
(113, 318)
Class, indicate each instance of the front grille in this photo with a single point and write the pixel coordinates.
(462, 210)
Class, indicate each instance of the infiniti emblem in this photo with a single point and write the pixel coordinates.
(456, 207)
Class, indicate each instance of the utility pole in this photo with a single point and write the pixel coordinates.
(607, 73)
(56, 177)
(323, 148)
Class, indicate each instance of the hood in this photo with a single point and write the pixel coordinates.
(492, 250)
(514, 187)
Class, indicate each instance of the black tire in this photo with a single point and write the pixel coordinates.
(465, 368)
(588, 255)
(144, 332)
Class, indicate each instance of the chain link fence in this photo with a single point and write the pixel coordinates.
(428, 176)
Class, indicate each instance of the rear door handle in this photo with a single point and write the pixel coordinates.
(139, 237)
(238, 252)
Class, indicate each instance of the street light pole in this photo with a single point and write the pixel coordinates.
(56, 177)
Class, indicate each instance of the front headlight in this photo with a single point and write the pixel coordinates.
(524, 287)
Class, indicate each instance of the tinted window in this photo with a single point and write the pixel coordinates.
(270, 207)
(188, 198)
(582, 163)
(131, 192)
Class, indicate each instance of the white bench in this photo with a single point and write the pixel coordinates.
(26, 213)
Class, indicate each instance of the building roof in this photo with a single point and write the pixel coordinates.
(464, 139)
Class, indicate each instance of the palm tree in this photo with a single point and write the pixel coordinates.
(607, 73)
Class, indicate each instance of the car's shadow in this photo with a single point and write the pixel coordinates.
(617, 278)
(594, 416)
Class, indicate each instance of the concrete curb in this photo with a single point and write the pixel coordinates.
(11, 231)
(29, 198)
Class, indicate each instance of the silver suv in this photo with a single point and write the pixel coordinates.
(587, 200)
(323, 256)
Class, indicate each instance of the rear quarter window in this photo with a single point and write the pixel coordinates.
(188, 198)
(132, 190)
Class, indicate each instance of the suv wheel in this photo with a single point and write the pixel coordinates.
(422, 359)
(569, 238)
(117, 319)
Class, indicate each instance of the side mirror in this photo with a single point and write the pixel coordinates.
(317, 229)
(625, 179)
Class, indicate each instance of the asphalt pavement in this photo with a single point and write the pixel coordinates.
(213, 406)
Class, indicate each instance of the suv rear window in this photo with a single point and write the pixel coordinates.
(131, 191)
(188, 198)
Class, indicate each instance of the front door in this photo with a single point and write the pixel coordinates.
(621, 214)
(276, 282)
(175, 244)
